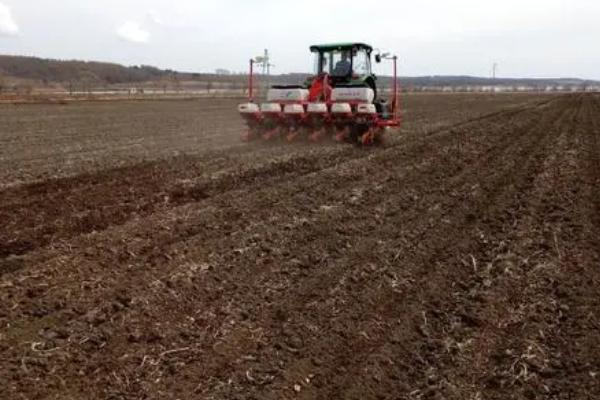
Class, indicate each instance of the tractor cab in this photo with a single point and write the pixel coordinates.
(344, 63)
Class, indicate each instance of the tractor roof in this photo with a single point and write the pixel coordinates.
(340, 46)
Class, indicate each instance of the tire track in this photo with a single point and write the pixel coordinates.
(348, 379)
(515, 280)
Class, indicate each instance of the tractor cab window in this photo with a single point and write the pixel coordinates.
(321, 63)
(361, 62)
(341, 63)
(335, 63)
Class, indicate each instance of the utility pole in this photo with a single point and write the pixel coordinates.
(267, 61)
(264, 61)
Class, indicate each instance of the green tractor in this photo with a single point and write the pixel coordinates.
(342, 98)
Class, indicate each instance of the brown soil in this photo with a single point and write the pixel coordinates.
(457, 262)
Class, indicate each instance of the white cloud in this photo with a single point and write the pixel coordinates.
(8, 26)
(133, 32)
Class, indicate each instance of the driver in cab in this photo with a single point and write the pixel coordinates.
(344, 66)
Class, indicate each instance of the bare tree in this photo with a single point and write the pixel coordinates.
(164, 83)
(176, 83)
(88, 79)
(70, 86)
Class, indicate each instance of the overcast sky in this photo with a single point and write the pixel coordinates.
(527, 38)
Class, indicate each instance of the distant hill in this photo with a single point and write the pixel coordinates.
(47, 72)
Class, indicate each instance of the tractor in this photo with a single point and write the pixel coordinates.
(341, 100)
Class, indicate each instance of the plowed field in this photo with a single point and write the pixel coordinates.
(145, 253)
